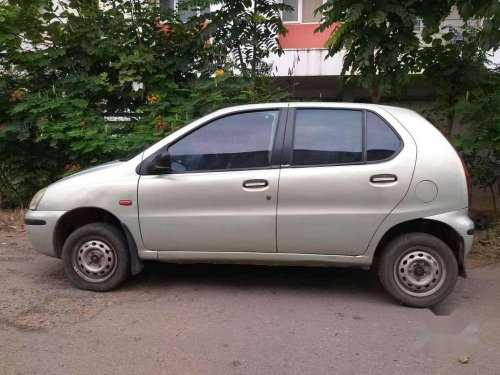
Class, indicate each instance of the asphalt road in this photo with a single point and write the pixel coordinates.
(220, 319)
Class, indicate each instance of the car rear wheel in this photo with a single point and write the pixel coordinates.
(418, 269)
(95, 257)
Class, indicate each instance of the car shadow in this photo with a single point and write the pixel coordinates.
(351, 283)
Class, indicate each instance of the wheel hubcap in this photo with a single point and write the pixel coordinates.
(94, 261)
(419, 272)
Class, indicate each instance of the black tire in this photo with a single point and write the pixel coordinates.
(106, 258)
(428, 253)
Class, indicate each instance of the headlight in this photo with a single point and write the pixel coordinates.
(36, 199)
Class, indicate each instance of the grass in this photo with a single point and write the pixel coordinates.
(12, 220)
(487, 243)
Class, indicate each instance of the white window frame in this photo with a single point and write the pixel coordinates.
(299, 14)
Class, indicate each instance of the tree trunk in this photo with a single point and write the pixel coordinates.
(374, 94)
(450, 119)
(243, 66)
(450, 116)
(493, 198)
(254, 42)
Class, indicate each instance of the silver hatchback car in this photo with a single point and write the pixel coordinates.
(317, 184)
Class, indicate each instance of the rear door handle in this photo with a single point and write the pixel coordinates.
(383, 178)
(255, 184)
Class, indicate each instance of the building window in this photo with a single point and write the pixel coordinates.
(454, 22)
(303, 11)
(184, 15)
(419, 25)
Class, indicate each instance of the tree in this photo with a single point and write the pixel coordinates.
(454, 68)
(380, 43)
(74, 92)
(242, 33)
(480, 144)
(382, 47)
(86, 81)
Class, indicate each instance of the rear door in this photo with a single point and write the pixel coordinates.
(344, 171)
(221, 194)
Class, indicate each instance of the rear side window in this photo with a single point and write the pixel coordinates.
(381, 141)
(327, 136)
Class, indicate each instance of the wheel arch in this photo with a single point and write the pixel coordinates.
(81, 216)
(436, 228)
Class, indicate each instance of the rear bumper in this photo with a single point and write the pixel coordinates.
(461, 223)
(40, 226)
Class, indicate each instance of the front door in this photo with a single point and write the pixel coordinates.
(347, 170)
(222, 192)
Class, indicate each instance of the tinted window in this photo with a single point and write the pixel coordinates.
(237, 141)
(381, 140)
(326, 136)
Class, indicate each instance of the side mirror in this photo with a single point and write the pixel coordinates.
(161, 163)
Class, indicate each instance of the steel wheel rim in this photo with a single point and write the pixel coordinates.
(94, 261)
(420, 272)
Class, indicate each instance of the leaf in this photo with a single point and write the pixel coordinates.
(464, 359)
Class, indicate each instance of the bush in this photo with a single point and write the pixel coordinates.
(480, 146)
(82, 84)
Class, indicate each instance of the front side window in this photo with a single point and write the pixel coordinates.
(327, 136)
(381, 141)
(238, 141)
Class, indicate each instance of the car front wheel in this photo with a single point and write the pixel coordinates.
(418, 269)
(95, 257)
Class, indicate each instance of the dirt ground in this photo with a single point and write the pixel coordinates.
(221, 319)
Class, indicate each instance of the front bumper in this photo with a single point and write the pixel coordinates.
(40, 226)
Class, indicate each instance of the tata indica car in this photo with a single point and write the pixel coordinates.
(352, 185)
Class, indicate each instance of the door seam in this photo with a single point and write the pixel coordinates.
(279, 179)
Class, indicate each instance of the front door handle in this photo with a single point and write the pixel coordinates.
(255, 184)
(383, 178)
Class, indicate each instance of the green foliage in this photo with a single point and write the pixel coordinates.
(84, 82)
(481, 144)
(454, 70)
(382, 46)
(205, 98)
(245, 31)
(488, 12)
(379, 40)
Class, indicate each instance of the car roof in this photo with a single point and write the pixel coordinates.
(311, 105)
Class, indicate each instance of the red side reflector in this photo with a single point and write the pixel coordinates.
(125, 202)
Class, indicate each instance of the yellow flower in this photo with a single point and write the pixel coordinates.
(152, 99)
(17, 96)
(219, 72)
